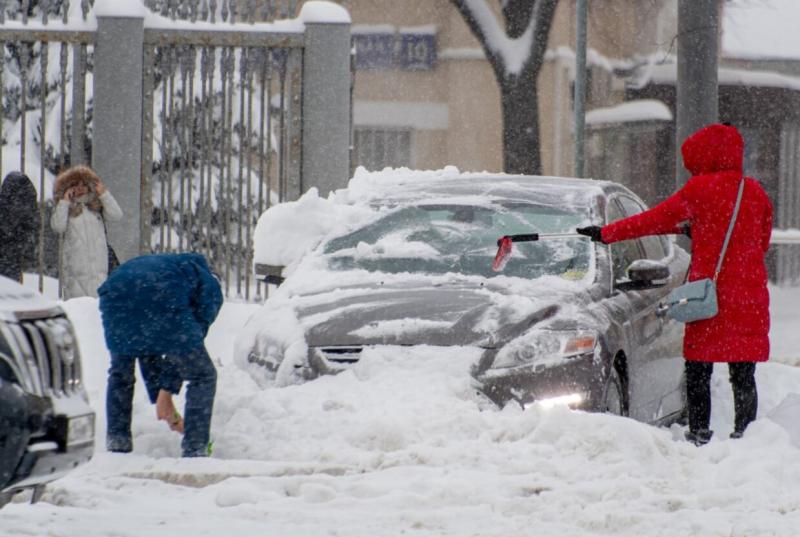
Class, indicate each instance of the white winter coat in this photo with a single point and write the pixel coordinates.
(85, 251)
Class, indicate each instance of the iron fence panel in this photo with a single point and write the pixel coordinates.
(224, 143)
(43, 74)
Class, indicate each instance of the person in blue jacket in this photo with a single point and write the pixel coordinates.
(158, 308)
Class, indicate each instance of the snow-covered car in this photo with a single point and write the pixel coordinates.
(565, 320)
(46, 422)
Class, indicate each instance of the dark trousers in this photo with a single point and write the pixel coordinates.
(698, 392)
(167, 373)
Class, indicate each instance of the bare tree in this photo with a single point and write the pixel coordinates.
(515, 52)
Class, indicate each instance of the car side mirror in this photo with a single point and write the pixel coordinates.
(645, 274)
(269, 273)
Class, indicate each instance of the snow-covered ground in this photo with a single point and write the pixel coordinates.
(399, 446)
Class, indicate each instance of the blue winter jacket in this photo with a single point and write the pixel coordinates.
(159, 304)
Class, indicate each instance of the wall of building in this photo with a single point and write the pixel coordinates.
(619, 32)
(452, 110)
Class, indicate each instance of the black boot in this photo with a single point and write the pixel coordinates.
(700, 437)
(698, 398)
(745, 395)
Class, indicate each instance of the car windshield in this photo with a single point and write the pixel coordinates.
(440, 239)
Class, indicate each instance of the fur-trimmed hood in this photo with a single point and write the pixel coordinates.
(72, 177)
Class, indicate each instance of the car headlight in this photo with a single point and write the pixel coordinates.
(268, 353)
(570, 400)
(545, 348)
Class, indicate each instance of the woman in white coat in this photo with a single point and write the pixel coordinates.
(83, 206)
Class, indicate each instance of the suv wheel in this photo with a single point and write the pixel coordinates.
(5, 497)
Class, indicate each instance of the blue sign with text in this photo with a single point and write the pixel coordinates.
(417, 51)
(395, 51)
(374, 51)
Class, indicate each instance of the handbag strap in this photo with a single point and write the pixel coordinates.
(105, 228)
(730, 229)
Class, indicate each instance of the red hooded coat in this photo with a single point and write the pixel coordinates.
(740, 331)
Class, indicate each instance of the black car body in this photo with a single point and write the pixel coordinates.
(46, 423)
(566, 320)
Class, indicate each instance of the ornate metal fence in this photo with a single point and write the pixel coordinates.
(44, 119)
(222, 138)
(250, 11)
(224, 105)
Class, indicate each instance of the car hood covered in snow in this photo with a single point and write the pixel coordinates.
(19, 302)
(458, 312)
(454, 314)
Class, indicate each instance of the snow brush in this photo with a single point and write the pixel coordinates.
(504, 245)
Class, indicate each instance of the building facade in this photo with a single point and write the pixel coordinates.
(425, 96)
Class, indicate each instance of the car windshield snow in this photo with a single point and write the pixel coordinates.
(440, 239)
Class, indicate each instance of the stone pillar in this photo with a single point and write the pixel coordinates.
(326, 98)
(117, 120)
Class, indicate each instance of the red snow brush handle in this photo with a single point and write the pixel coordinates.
(503, 253)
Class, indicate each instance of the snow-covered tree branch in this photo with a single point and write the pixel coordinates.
(515, 50)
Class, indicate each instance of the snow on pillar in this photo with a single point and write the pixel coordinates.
(326, 97)
(117, 136)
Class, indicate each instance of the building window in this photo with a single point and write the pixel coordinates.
(378, 148)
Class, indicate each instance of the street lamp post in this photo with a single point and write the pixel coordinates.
(580, 88)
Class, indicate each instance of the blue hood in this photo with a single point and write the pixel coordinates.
(159, 304)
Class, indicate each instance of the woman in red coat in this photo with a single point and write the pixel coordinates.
(739, 333)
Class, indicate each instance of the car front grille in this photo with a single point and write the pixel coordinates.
(332, 360)
(341, 355)
(45, 360)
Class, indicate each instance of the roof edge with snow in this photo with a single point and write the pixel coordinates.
(667, 74)
(630, 111)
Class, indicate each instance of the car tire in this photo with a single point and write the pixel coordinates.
(5, 497)
(614, 396)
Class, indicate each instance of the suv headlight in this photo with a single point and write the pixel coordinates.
(546, 348)
(267, 353)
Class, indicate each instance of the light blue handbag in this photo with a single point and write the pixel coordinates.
(697, 300)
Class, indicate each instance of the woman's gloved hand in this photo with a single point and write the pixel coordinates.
(593, 232)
